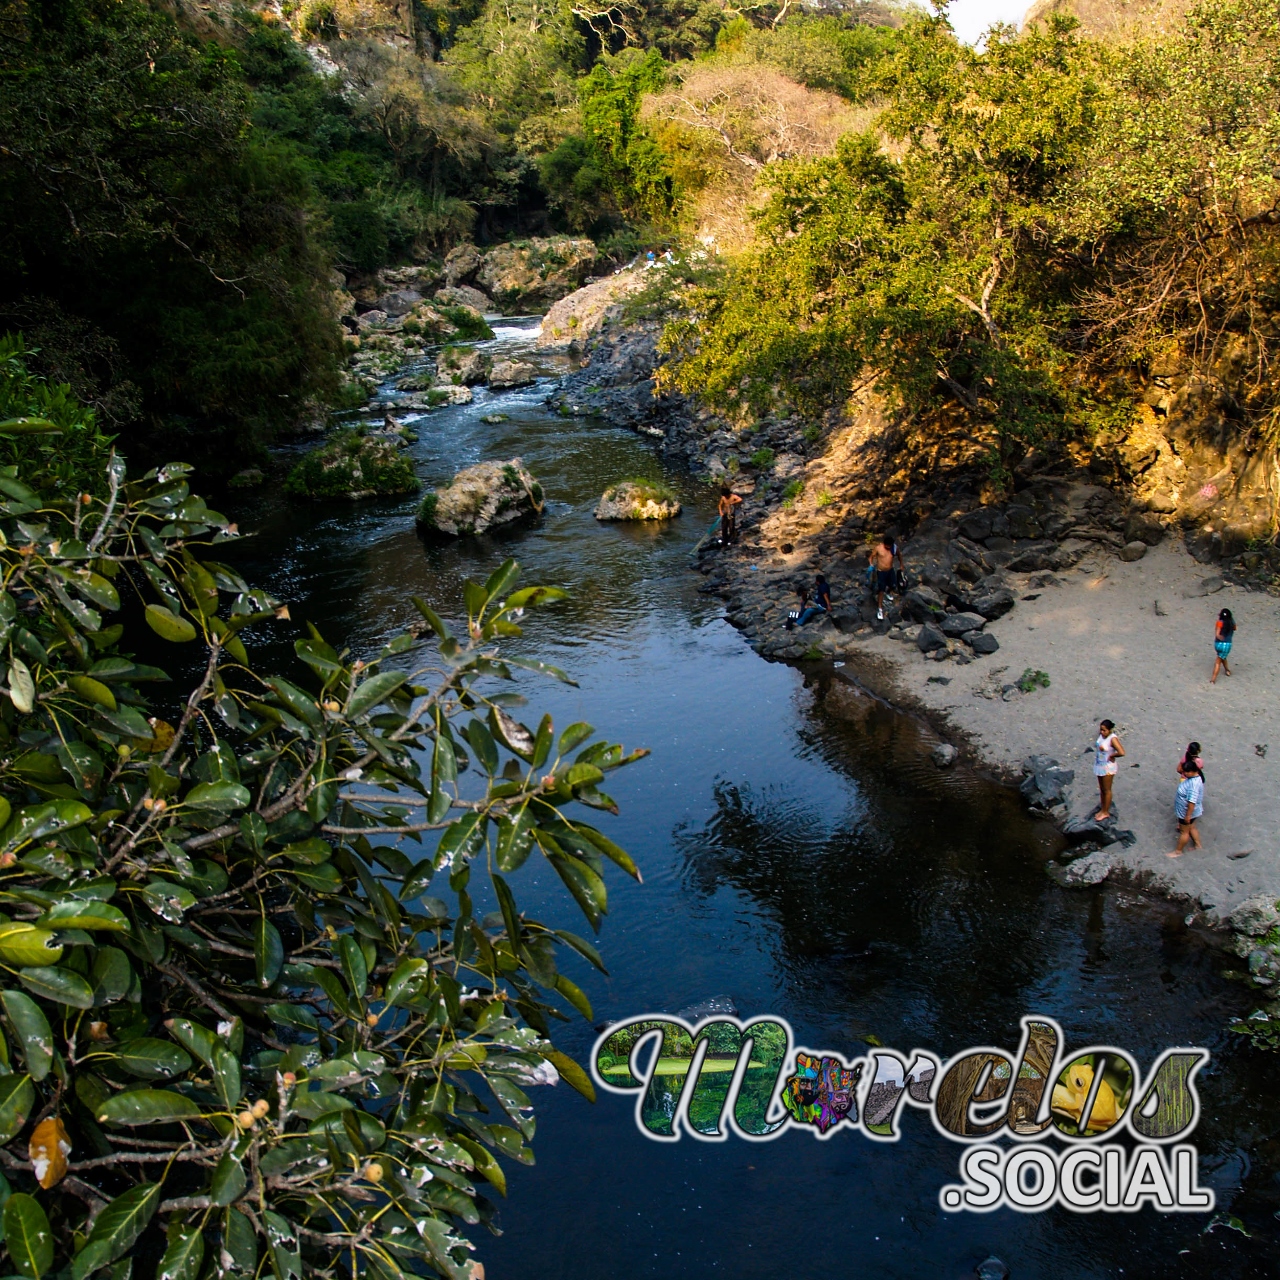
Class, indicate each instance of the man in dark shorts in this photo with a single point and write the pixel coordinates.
(728, 508)
(881, 558)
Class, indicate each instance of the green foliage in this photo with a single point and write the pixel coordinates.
(351, 463)
(1029, 681)
(240, 949)
(762, 459)
(793, 490)
(469, 325)
(170, 226)
(931, 273)
(645, 489)
(67, 461)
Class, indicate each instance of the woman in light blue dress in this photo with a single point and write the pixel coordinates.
(1188, 800)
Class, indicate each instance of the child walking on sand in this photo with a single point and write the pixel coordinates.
(1106, 750)
(1223, 633)
(1188, 801)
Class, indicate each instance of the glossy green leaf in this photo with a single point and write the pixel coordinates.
(16, 1097)
(268, 951)
(32, 1030)
(222, 796)
(147, 1106)
(22, 688)
(152, 1059)
(28, 1236)
(354, 968)
(23, 944)
(117, 1228)
(185, 1253)
(79, 914)
(405, 979)
(229, 1181)
(375, 690)
(60, 985)
(169, 626)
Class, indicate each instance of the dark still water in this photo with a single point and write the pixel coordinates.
(802, 857)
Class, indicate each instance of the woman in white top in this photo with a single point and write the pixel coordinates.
(1188, 801)
(1106, 751)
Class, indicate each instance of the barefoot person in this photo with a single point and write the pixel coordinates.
(728, 508)
(881, 558)
(1106, 750)
(1188, 801)
(1223, 633)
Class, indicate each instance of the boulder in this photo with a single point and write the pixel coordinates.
(957, 624)
(1144, 526)
(930, 638)
(1083, 873)
(448, 394)
(461, 265)
(507, 374)
(923, 604)
(637, 500)
(976, 525)
(1047, 786)
(351, 465)
(1080, 829)
(1255, 916)
(372, 319)
(249, 478)
(532, 274)
(943, 755)
(1133, 551)
(463, 295)
(582, 314)
(980, 642)
(480, 498)
(993, 604)
(463, 366)
(399, 302)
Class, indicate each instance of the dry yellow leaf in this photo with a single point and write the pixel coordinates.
(49, 1149)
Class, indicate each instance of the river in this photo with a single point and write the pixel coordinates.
(802, 857)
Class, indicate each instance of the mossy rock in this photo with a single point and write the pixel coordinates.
(638, 499)
(480, 498)
(352, 466)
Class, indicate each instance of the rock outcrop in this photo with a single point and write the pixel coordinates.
(576, 319)
(523, 276)
(463, 366)
(506, 375)
(352, 466)
(463, 295)
(480, 498)
(637, 500)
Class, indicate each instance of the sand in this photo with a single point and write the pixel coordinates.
(1109, 654)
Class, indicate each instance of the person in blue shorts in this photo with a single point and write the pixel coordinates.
(1223, 634)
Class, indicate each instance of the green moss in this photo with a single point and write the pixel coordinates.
(348, 463)
(427, 510)
(762, 459)
(535, 492)
(467, 323)
(646, 490)
(793, 490)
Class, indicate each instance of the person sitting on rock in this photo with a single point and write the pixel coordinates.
(811, 605)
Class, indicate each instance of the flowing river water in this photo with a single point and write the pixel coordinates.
(802, 857)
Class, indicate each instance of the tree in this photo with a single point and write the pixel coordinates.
(243, 1029)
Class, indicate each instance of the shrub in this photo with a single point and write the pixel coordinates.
(468, 323)
(1031, 680)
(646, 490)
(762, 459)
(825, 499)
(427, 509)
(243, 1015)
(793, 490)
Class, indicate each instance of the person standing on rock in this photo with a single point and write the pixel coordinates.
(728, 508)
(881, 558)
(1223, 634)
(1106, 751)
(1188, 801)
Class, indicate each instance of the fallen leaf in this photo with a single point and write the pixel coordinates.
(50, 1146)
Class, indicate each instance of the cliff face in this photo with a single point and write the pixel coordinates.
(1114, 19)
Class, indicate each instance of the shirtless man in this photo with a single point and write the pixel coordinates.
(728, 508)
(881, 558)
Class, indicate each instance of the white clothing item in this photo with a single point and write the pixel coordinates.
(1104, 756)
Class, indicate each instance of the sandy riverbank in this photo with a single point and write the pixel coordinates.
(1109, 653)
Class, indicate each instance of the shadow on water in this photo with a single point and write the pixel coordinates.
(803, 856)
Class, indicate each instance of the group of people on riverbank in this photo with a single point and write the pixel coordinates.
(1188, 799)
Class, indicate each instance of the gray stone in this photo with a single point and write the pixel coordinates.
(1255, 916)
(1083, 873)
(481, 497)
(943, 755)
(464, 295)
(956, 624)
(930, 639)
(980, 642)
(1133, 551)
(632, 501)
(1080, 829)
(511, 373)
(1046, 786)
(991, 1269)
(1144, 526)
(993, 604)
(399, 302)
(976, 525)
(1205, 587)
(462, 264)
(923, 604)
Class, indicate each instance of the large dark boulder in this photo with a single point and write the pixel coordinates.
(992, 604)
(980, 642)
(923, 604)
(956, 624)
(976, 525)
(930, 638)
